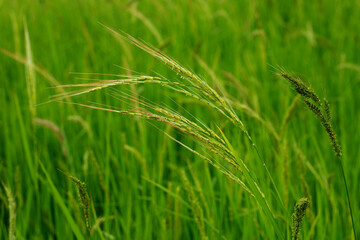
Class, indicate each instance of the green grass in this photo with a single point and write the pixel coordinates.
(144, 185)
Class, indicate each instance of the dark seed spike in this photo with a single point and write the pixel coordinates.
(316, 110)
(297, 217)
(322, 112)
(84, 196)
(302, 89)
(327, 109)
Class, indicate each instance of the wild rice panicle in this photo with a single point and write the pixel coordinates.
(327, 109)
(301, 88)
(322, 112)
(297, 217)
(84, 198)
(102, 84)
(193, 130)
(218, 150)
(203, 88)
(315, 109)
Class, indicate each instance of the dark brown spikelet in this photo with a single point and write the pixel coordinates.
(315, 109)
(84, 198)
(297, 217)
(333, 139)
(301, 88)
(327, 109)
(323, 113)
(313, 102)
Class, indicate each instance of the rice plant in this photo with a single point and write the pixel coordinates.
(210, 145)
(297, 217)
(84, 198)
(189, 84)
(322, 112)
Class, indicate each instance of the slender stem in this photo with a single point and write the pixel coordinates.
(348, 197)
(268, 172)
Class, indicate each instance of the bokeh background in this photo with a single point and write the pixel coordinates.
(133, 171)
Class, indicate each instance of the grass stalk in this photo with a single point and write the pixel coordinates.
(223, 155)
(12, 212)
(60, 201)
(322, 111)
(297, 217)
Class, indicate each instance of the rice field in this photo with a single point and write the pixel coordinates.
(179, 119)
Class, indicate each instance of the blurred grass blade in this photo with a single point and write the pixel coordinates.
(59, 200)
(26, 144)
(30, 74)
(259, 195)
(12, 212)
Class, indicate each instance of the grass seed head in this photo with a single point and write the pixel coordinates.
(322, 112)
(84, 198)
(297, 217)
(327, 109)
(83, 195)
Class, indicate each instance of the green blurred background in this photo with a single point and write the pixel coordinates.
(133, 170)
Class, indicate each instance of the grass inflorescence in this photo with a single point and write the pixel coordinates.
(322, 112)
(218, 150)
(297, 217)
(219, 77)
(84, 197)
